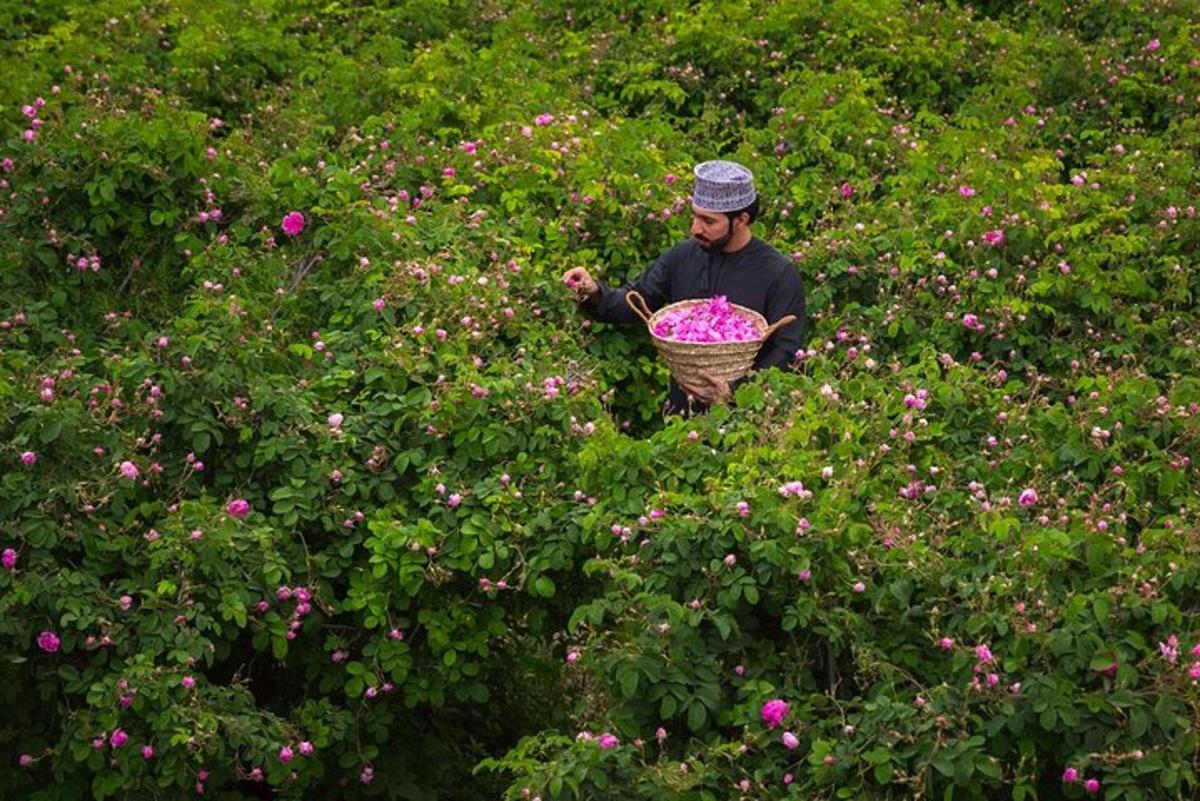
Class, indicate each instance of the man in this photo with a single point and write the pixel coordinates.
(721, 258)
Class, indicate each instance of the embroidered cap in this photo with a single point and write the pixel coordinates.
(723, 186)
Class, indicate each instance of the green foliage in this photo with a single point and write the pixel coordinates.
(477, 559)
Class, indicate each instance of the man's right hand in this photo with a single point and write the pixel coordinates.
(580, 281)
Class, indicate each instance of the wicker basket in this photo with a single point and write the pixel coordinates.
(726, 360)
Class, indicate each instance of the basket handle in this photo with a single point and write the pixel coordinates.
(780, 323)
(635, 299)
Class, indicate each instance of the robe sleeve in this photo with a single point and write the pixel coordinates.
(609, 306)
(786, 296)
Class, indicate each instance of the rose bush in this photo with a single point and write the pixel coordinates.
(314, 482)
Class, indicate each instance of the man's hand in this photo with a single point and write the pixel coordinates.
(708, 388)
(580, 281)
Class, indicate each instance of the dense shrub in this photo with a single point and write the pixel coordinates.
(315, 483)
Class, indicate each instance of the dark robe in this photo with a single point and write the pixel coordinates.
(758, 276)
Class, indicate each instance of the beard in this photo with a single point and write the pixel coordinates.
(720, 242)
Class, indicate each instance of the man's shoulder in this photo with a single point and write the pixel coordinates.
(768, 252)
(770, 257)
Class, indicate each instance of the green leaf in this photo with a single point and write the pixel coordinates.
(50, 431)
(696, 715)
(627, 679)
(943, 762)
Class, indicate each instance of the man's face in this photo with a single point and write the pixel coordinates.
(712, 230)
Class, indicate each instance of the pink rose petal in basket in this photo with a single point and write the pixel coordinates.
(715, 321)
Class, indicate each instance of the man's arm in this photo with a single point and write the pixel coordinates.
(608, 304)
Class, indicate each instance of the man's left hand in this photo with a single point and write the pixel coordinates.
(708, 388)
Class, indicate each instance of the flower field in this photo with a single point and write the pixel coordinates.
(316, 483)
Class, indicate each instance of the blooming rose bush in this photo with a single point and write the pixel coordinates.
(316, 484)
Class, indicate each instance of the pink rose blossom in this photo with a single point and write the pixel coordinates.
(774, 711)
(48, 641)
(293, 223)
(608, 740)
(285, 755)
(29, 458)
(9, 559)
(1170, 649)
(129, 470)
(994, 238)
(790, 741)
(1028, 497)
(118, 738)
(147, 752)
(238, 507)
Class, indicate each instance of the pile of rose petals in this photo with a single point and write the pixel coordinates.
(714, 321)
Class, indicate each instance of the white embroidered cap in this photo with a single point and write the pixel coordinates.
(723, 186)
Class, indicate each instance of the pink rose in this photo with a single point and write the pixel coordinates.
(48, 641)
(293, 223)
(238, 507)
(774, 711)
(994, 238)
